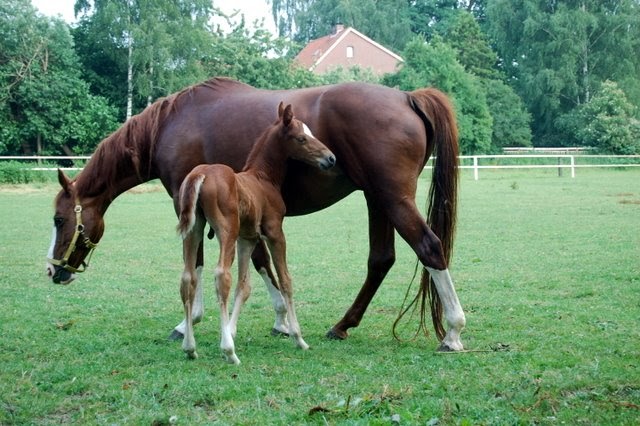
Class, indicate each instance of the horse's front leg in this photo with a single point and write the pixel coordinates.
(277, 246)
(262, 263)
(381, 259)
(223, 288)
(243, 287)
(198, 301)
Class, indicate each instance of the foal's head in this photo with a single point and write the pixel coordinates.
(299, 143)
(77, 227)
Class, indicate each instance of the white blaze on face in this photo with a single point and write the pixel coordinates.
(54, 234)
(307, 130)
(50, 268)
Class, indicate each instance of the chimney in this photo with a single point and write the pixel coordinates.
(337, 28)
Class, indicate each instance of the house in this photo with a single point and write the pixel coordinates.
(347, 47)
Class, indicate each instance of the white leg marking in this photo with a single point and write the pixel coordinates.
(226, 338)
(281, 323)
(453, 313)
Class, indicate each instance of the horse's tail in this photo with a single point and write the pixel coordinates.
(187, 205)
(439, 117)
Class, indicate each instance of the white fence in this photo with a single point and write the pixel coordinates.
(563, 161)
(474, 162)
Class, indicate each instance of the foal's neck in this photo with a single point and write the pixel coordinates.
(267, 161)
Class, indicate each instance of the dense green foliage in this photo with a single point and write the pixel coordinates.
(521, 72)
(45, 106)
(552, 310)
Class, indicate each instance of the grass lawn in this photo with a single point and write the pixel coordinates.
(547, 269)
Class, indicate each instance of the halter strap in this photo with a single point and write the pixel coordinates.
(78, 233)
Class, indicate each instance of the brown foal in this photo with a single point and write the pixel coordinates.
(244, 207)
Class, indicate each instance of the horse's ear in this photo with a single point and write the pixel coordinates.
(65, 182)
(280, 110)
(287, 115)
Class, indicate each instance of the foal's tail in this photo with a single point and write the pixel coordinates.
(438, 114)
(189, 193)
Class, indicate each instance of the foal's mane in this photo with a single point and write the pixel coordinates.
(131, 147)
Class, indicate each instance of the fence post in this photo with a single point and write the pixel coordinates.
(559, 166)
(475, 167)
(573, 168)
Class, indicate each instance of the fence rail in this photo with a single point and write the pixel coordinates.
(473, 162)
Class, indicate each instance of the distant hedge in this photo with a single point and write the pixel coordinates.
(15, 172)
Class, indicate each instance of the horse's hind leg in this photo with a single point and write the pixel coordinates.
(198, 301)
(262, 263)
(428, 247)
(223, 288)
(243, 287)
(277, 245)
(188, 285)
(381, 258)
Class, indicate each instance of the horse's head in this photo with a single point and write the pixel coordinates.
(301, 144)
(77, 227)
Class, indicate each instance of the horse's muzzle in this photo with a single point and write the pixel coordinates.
(328, 162)
(59, 275)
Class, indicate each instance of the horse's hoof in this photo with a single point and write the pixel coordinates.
(232, 358)
(275, 332)
(192, 355)
(176, 335)
(446, 348)
(333, 334)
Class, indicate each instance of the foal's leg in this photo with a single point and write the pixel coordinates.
(262, 263)
(188, 284)
(223, 288)
(277, 245)
(198, 302)
(243, 287)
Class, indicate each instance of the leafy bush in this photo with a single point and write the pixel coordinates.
(14, 172)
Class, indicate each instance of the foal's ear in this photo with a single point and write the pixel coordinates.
(280, 110)
(65, 182)
(287, 115)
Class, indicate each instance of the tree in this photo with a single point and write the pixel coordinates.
(608, 122)
(435, 64)
(511, 121)
(154, 46)
(45, 107)
(558, 53)
(385, 21)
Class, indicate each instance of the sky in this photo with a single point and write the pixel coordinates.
(252, 9)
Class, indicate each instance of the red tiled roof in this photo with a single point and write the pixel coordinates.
(313, 53)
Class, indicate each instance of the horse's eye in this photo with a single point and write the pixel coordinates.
(301, 139)
(58, 221)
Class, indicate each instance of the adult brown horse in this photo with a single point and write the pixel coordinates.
(382, 139)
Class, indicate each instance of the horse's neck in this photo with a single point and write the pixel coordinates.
(112, 170)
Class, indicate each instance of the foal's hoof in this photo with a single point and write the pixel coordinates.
(192, 354)
(334, 334)
(176, 335)
(276, 332)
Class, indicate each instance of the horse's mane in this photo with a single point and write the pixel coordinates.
(130, 148)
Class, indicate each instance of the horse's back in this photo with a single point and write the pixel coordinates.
(367, 126)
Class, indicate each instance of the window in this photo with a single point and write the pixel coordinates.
(349, 51)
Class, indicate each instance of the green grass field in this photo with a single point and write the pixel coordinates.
(547, 269)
